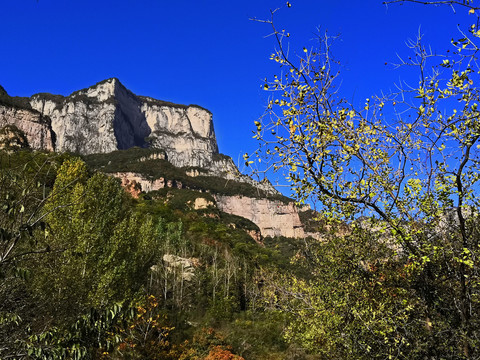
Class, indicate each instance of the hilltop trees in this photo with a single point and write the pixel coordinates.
(409, 162)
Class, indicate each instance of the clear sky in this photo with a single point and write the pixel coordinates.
(204, 52)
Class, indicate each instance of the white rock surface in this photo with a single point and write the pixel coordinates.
(202, 203)
(108, 117)
(36, 129)
(185, 266)
(274, 218)
(145, 184)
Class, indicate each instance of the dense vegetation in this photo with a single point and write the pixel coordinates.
(150, 164)
(402, 169)
(89, 272)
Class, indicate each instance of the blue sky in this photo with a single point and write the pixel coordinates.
(205, 52)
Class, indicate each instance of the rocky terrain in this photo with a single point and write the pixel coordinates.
(108, 117)
(18, 113)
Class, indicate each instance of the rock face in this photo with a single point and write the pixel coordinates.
(184, 266)
(144, 184)
(274, 218)
(201, 203)
(35, 127)
(185, 133)
(108, 117)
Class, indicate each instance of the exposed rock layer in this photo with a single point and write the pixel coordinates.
(35, 127)
(108, 117)
(274, 218)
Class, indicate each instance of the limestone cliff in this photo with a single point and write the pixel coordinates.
(18, 112)
(274, 218)
(108, 117)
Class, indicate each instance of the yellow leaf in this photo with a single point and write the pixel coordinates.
(471, 11)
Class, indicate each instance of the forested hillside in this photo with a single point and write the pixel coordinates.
(89, 272)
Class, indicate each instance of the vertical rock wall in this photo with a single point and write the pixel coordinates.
(274, 218)
(31, 123)
(108, 117)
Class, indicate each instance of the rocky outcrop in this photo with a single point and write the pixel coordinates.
(131, 187)
(274, 218)
(225, 162)
(35, 127)
(185, 267)
(12, 139)
(201, 203)
(255, 235)
(185, 133)
(108, 117)
(141, 182)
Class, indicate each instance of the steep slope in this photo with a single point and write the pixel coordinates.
(146, 170)
(17, 112)
(108, 117)
(273, 217)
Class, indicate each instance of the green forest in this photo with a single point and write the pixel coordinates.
(89, 272)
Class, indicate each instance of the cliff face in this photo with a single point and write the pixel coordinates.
(108, 117)
(35, 127)
(185, 133)
(274, 218)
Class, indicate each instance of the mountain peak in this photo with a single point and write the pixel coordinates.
(3, 92)
(107, 116)
(102, 90)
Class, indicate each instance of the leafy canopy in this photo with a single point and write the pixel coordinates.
(409, 162)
